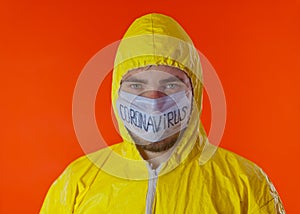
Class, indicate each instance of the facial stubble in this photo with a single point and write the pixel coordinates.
(160, 146)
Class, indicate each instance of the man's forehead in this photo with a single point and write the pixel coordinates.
(156, 70)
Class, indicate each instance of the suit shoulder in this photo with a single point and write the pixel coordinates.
(88, 162)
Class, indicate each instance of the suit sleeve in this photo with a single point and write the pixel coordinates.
(268, 201)
(61, 195)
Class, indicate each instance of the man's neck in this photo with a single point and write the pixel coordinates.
(155, 158)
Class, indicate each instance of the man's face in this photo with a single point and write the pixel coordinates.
(155, 82)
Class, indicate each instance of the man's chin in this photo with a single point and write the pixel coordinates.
(159, 146)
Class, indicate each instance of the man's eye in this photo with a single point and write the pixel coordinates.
(135, 86)
(171, 86)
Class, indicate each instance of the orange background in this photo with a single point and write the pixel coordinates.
(254, 46)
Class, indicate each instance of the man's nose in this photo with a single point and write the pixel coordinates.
(153, 94)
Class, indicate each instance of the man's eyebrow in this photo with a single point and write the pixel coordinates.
(133, 79)
(172, 79)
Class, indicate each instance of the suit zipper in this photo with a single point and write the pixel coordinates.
(152, 181)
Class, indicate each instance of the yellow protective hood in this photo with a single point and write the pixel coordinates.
(156, 39)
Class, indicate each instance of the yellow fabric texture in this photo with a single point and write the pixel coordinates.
(197, 178)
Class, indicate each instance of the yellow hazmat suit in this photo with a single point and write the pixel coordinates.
(197, 178)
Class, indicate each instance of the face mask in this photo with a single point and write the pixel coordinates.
(154, 119)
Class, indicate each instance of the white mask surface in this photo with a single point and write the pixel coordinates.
(154, 119)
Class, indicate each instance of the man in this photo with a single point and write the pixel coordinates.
(161, 166)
